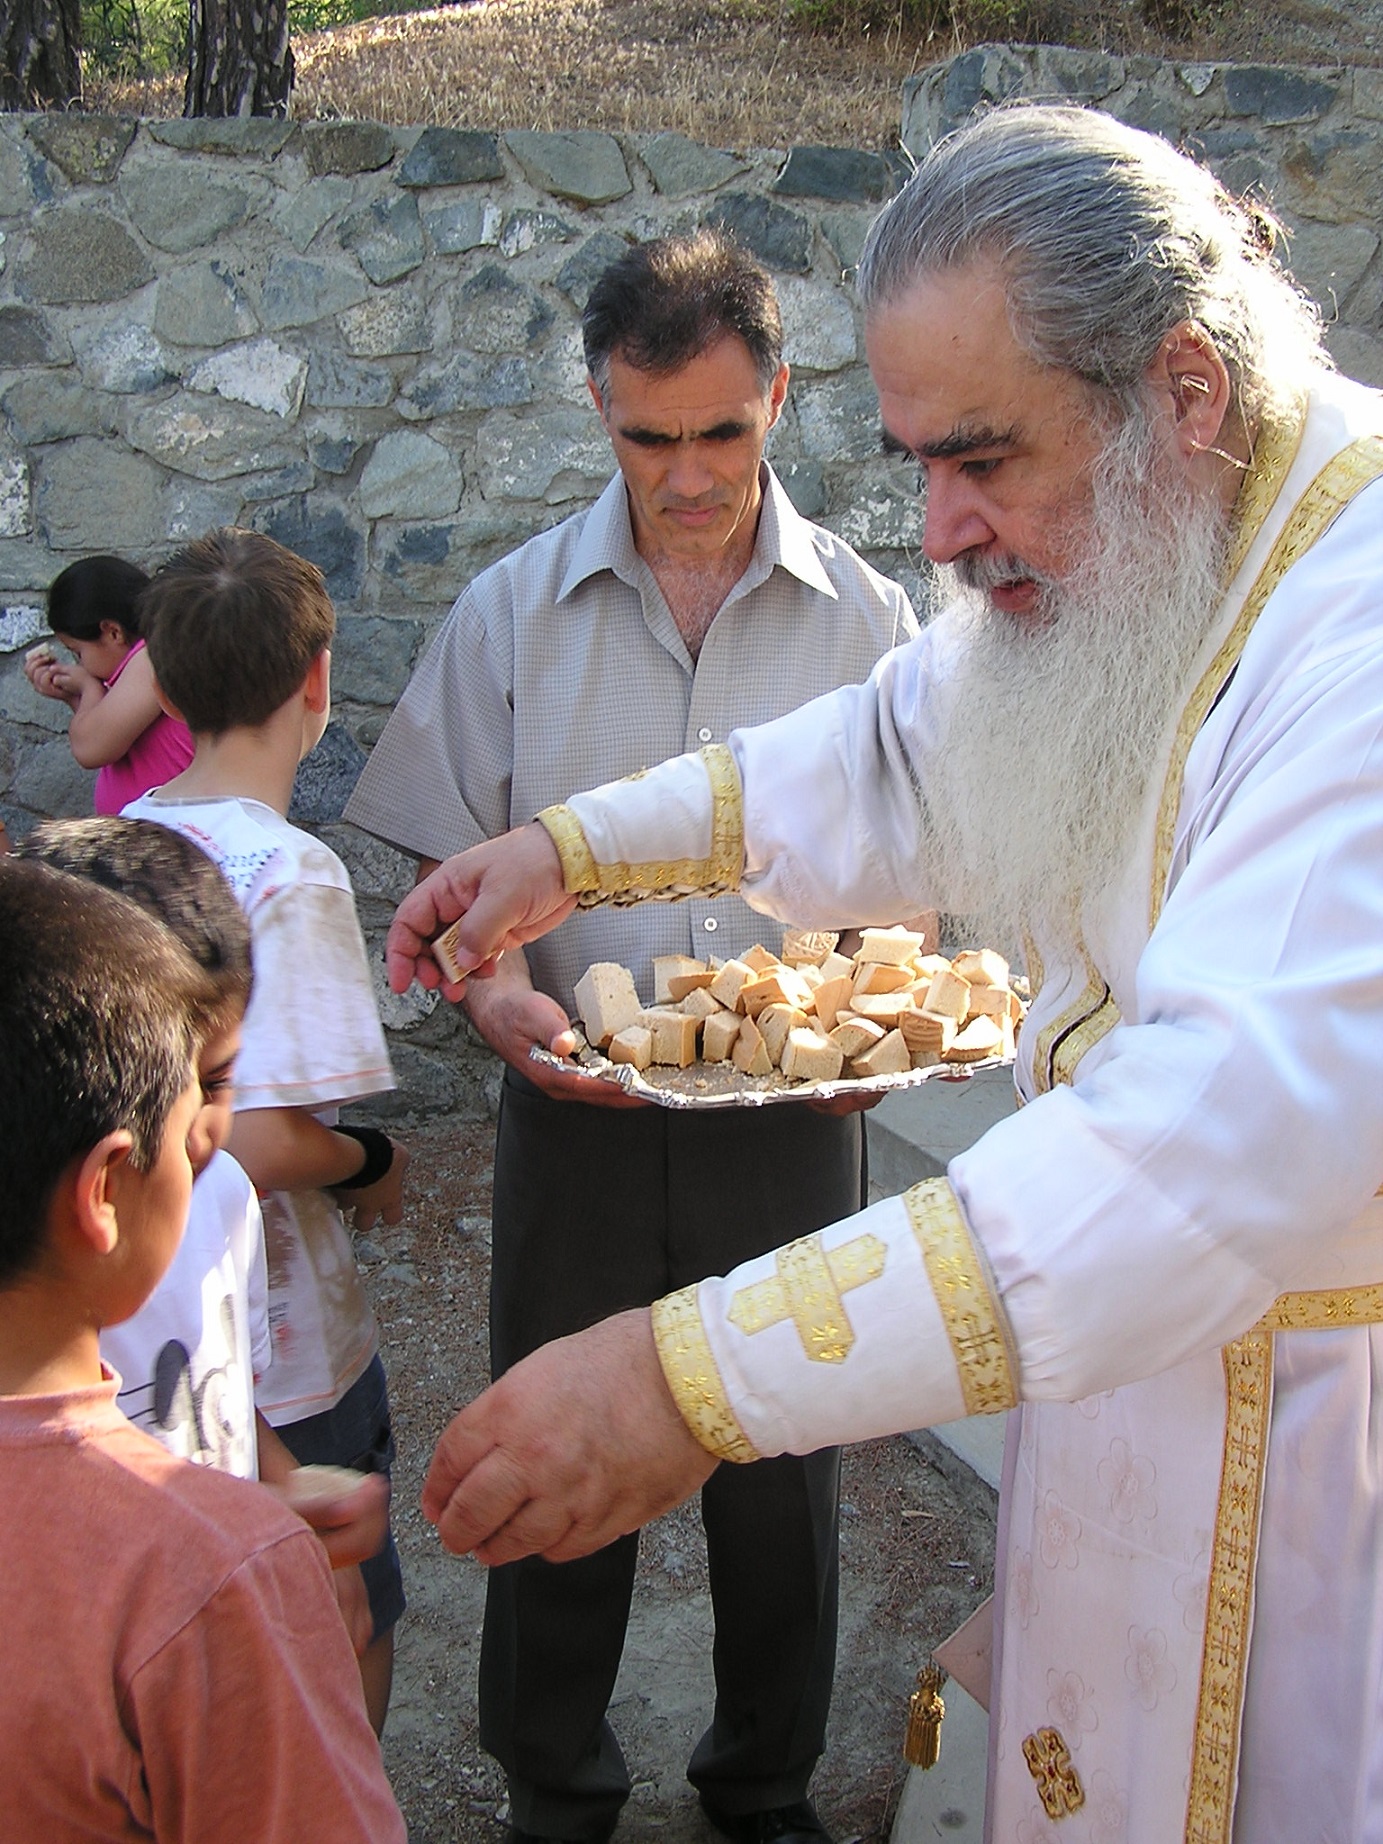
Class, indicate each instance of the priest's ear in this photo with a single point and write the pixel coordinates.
(1191, 382)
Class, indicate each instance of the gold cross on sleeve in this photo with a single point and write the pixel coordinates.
(807, 1289)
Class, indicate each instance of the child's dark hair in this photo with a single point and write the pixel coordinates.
(172, 878)
(93, 590)
(100, 1018)
(233, 622)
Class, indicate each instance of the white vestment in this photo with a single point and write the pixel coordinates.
(1191, 1545)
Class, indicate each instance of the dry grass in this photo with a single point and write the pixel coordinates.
(731, 73)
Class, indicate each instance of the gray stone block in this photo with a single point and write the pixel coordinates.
(277, 483)
(298, 290)
(1084, 76)
(1276, 94)
(49, 782)
(15, 520)
(1337, 175)
(467, 224)
(50, 407)
(81, 254)
(202, 304)
(260, 373)
(580, 272)
(347, 147)
(190, 507)
(377, 870)
(210, 438)
(679, 167)
(780, 238)
(837, 173)
(839, 420)
(818, 326)
(408, 475)
(20, 704)
(386, 237)
(373, 657)
(123, 357)
(525, 230)
(337, 383)
(93, 496)
(322, 531)
(558, 456)
(20, 626)
(87, 148)
(451, 157)
(325, 778)
(28, 337)
(846, 231)
(303, 213)
(494, 313)
(581, 165)
(333, 454)
(466, 382)
(394, 321)
(805, 486)
(878, 520)
(1329, 260)
(417, 560)
(246, 137)
(178, 209)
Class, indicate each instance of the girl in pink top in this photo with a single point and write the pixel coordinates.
(118, 725)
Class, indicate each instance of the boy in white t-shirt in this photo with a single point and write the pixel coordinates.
(239, 633)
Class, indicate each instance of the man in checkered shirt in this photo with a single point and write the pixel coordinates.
(690, 600)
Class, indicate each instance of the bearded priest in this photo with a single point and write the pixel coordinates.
(1147, 727)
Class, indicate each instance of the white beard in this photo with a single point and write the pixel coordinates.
(1033, 795)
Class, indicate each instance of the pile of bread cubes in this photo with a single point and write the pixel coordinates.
(811, 1014)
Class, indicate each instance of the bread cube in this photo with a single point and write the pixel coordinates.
(882, 976)
(674, 1036)
(718, 1036)
(634, 1044)
(807, 947)
(759, 960)
(947, 997)
(927, 1036)
(809, 1058)
(889, 1057)
(606, 1001)
(730, 982)
(680, 984)
(777, 986)
(667, 967)
(750, 1054)
(775, 1022)
(700, 1003)
(856, 1035)
(982, 1037)
(892, 947)
(982, 967)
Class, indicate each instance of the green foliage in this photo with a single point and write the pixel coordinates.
(145, 38)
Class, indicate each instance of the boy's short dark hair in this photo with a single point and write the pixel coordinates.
(233, 622)
(175, 880)
(93, 590)
(100, 1013)
(664, 303)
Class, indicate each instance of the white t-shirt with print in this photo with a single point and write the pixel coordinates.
(188, 1359)
(312, 1039)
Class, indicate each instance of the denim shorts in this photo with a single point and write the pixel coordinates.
(357, 1433)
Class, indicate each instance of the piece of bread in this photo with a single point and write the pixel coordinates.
(947, 997)
(674, 1035)
(634, 1044)
(889, 1057)
(759, 960)
(750, 1054)
(700, 1003)
(680, 984)
(606, 1001)
(927, 1036)
(778, 985)
(807, 947)
(775, 1022)
(892, 947)
(667, 967)
(718, 1036)
(729, 983)
(854, 1036)
(981, 966)
(882, 976)
(982, 1037)
(809, 1058)
(885, 1008)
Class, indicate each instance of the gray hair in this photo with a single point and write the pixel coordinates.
(1107, 238)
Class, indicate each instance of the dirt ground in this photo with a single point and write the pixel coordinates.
(916, 1557)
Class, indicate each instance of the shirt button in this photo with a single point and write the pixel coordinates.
(710, 925)
(704, 735)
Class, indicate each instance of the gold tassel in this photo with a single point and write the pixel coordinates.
(922, 1742)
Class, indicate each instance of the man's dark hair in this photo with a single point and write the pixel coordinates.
(666, 302)
(100, 1015)
(233, 622)
(93, 590)
(166, 874)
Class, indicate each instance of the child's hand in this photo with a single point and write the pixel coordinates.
(42, 670)
(348, 1511)
(384, 1198)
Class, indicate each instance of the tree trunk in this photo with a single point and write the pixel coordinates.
(239, 60)
(39, 43)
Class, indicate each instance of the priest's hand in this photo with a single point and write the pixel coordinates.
(505, 892)
(575, 1446)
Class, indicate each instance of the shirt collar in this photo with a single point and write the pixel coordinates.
(784, 540)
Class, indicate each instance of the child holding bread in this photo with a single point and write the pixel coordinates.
(175, 1664)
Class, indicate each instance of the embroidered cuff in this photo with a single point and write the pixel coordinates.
(637, 803)
(981, 1342)
(694, 1378)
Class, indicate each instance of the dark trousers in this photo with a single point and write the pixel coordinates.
(596, 1210)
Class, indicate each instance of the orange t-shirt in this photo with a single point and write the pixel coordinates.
(175, 1666)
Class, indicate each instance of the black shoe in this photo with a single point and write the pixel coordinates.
(794, 1824)
(513, 1835)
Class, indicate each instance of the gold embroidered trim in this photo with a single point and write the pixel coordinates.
(807, 1290)
(1064, 1040)
(974, 1320)
(1329, 493)
(1274, 451)
(1248, 1365)
(1049, 1763)
(668, 880)
(693, 1376)
(1326, 1309)
(579, 871)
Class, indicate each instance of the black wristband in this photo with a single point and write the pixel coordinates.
(379, 1156)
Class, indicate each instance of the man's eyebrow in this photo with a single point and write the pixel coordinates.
(728, 431)
(964, 440)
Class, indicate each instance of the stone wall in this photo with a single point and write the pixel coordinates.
(365, 341)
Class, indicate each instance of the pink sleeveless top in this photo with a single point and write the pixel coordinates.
(156, 755)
